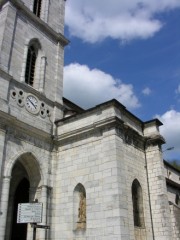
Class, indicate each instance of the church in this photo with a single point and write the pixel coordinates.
(98, 173)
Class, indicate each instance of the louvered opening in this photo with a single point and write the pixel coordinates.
(30, 66)
(37, 7)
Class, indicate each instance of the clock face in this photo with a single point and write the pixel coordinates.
(32, 104)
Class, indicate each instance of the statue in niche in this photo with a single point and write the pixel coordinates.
(82, 208)
(82, 211)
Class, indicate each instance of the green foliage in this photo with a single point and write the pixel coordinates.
(175, 164)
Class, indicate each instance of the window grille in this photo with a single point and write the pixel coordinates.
(37, 7)
(30, 66)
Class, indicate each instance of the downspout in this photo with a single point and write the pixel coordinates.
(149, 196)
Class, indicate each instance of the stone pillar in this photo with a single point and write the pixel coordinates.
(124, 230)
(44, 196)
(2, 145)
(8, 24)
(22, 78)
(59, 73)
(42, 74)
(45, 10)
(44, 201)
(4, 205)
(158, 191)
(32, 192)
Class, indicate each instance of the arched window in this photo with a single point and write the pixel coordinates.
(37, 7)
(137, 200)
(177, 200)
(30, 65)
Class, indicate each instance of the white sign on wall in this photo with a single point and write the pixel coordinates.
(29, 213)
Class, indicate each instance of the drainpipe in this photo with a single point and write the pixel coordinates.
(149, 196)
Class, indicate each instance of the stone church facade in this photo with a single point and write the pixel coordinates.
(99, 173)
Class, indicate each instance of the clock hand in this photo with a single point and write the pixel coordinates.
(32, 103)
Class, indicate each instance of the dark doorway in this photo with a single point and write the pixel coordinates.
(19, 230)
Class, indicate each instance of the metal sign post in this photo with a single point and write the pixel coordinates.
(34, 230)
(35, 225)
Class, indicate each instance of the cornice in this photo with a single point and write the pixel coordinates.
(16, 127)
(97, 125)
(129, 135)
(4, 74)
(172, 183)
(100, 107)
(133, 137)
(155, 139)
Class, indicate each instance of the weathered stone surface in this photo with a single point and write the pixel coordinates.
(80, 165)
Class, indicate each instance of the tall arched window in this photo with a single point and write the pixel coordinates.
(37, 7)
(137, 199)
(30, 65)
(177, 200)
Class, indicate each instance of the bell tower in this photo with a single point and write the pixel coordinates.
(31, 91)
(31, 60)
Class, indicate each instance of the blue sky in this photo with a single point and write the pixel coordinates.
(128, 50)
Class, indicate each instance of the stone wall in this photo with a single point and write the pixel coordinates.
(97, 154)
(52, 12)
(90, 161)
(17, 35)
(175, 218)
(33, 153)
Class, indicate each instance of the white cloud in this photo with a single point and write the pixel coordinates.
(125, 20)
(171, 130)
(146, 91)
(178, 89)
(89, 87)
